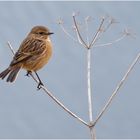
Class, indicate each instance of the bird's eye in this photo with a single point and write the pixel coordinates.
(41, 33)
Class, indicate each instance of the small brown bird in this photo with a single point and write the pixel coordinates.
(33, 53)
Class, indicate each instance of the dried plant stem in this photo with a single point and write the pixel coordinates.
(87, 30)
(89, 76)
(11, 48)
(81, 41)
(89, 83)
(111, 43)
(97, 33)
(60, 104)
(88, 45)
(92, 130)
(67, 33)
(88, 73)
(53, 97)
(117, 89)
(89, 89)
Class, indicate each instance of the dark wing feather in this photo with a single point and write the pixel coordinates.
(29, 48)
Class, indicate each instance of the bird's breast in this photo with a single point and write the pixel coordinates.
(39, 61)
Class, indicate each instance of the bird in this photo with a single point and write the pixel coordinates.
(33, 53)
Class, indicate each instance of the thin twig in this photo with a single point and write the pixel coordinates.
(111, 21)
(97, 33)
(111, 43)
(117, 89)
(67, 33)
(59, 103)
(128, 32)
(11, 48)
(107, 27)
(53, 97)
(87, 29)
(78, 32)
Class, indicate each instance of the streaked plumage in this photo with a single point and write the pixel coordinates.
(33, 53)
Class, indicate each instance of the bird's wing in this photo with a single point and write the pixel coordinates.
(30, 47)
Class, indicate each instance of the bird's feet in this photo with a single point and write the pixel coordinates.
(28, 73)
(40, 84)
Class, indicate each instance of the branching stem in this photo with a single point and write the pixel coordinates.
(51, 95)
(67, 33)
(115, 92)
(78, 32)
(97, 33)
(111, 43)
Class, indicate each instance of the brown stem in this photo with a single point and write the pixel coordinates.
(78, 32)
(97, 33)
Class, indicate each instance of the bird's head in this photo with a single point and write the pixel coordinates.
(40, 32)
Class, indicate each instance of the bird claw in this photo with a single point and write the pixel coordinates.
(40, 85)
(28, 73)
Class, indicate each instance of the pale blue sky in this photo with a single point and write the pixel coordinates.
(28, 113)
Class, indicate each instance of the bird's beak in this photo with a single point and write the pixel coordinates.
(50, 33)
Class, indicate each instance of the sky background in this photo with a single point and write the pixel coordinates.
(28, 113)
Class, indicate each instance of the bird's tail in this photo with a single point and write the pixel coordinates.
(12, 73)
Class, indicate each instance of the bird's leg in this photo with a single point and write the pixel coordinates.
(40, 82)
(28, 73)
